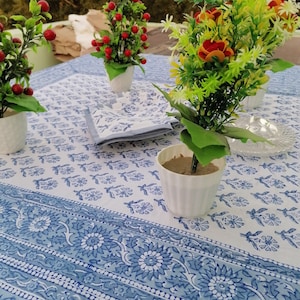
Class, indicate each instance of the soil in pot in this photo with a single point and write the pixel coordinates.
(182, 165)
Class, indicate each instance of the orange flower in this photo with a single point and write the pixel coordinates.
(289, 17)
(208, 14)
(218, 49)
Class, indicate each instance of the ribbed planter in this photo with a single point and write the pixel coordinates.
(122, 82)
(13, 129)
(255, 101)
(188, 196)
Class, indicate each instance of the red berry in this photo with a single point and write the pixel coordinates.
(135, 1)
(125, 35)
(106, 39)
(118, 17)
(17, 41)
(2, 56)
(108, 51)
(146, 45)
(146, 16)
(134, 29)
(29, 71)
(144, 37)
(28, 91)
(94, 43)
(127, 52)
(17, 89)
(49, 35)
(144, 29)
(143, 61)
(111, 5)
(44, 5)
(1, 27)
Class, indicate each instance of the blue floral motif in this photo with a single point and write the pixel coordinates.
(133, 175)
(232, 199)
(93, 242)
(261, 242)
(270, 181)
(51, 158)
(217, 282)
(227, 220)
(273, 168)
(92, 167)
(139, 163)
(105, 178)
(152, 188)
(23, 161)
(45, 183)
(238, 184)
(78, 157)
(140, 206)
(293, 213)
(241, 169)
(150, 261)
(118, 165)
(38, 224)
(119, 191)
(89, 195)
(268, 198)
(291, 236)
(75, 181)
(198, 224)
(65, 148)
(32, 171)
(263, 217)
(7, 173)
(294, 195)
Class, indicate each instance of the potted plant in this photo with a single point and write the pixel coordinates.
(222, 55)
(16, 95)
(121, 46)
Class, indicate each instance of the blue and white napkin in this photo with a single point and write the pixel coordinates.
(134, 115)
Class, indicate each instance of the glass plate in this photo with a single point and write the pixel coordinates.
(282, 137)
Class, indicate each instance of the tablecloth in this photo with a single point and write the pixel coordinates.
(80, 221)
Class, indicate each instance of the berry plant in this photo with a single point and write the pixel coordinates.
(15, 69)
(127, 35)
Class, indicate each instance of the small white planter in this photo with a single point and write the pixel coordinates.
(188, 196)
(255, 101)
(123, 82)
(13, 129)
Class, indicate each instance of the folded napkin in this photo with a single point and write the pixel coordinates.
(134, 115)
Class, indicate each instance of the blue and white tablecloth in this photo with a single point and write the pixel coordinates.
(82, 221)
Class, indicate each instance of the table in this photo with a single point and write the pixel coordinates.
(79, 221)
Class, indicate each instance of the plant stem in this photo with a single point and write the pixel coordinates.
(194, 164)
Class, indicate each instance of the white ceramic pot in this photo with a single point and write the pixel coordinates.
(122, 82)
(13, 129)
(188, 196)
(255, 101)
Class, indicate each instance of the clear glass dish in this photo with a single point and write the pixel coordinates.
(281, 137)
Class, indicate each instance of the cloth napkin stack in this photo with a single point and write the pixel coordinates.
(140, 113)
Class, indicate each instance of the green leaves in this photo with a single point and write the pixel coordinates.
(278, 65)
(208, 145)
(24, 103)
(243, 134)
(15, 67)
(205, 144)
(114, 69)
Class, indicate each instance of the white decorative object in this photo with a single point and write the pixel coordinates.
(13, 129)
(122, 82)
(188, 196)
(251, 102)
